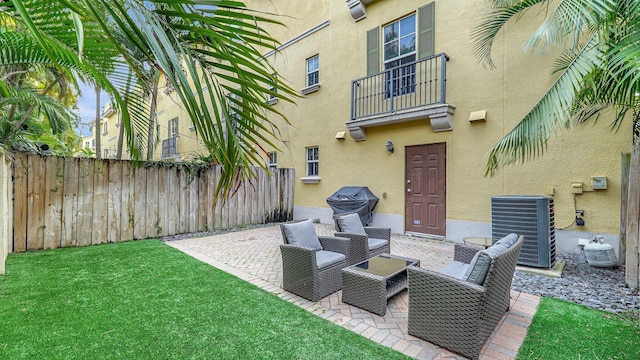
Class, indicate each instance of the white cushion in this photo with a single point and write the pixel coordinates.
(302, 233)
(327, 258)
(377, 243)
(479, 265)
(351, 224)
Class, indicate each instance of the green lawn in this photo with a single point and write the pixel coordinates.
(145, 300)
(564, 330)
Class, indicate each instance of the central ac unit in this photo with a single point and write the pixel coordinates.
(531, 216)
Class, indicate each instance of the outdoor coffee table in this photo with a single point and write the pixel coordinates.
(369, 284)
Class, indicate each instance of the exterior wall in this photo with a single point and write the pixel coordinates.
(507, 93)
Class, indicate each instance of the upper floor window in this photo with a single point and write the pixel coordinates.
(312, 161)
(313, 70)
(105, 128)
(402, 42)
(173, 128)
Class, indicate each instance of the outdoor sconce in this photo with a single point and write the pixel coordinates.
(389, 146)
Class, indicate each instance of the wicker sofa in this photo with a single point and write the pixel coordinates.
(311, 264)
(459, 307)
(366, 241)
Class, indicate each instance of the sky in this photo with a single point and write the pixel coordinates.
(87, 107)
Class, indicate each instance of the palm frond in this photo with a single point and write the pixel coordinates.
(529, 138)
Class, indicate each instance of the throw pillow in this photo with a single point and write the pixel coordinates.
(351, 224)
(479, 265)
(508, 240)
(302, 233)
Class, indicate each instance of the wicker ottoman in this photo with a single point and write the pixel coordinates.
(369, 284)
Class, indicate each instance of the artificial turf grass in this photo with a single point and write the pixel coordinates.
(565, 330)
(146, 300)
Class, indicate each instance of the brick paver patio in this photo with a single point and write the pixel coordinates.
(254, 256)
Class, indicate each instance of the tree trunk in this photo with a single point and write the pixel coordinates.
(97, 128)
(120, 134)
(152, 121)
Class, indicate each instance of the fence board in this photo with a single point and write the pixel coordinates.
(203, 194)
(85, 202)
(53, 199)
(193, 203)
(36, 169)
(100, 206)
(70, 202)
(20, 207)
(62, 202)
(153, 222)
(114, 199)
(139, 202)
(162, 202)
(127, 208)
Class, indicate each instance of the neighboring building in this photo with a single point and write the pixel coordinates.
(401, 75)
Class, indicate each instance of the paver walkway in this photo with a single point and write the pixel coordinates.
(254, 256)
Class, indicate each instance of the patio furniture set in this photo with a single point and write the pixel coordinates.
(456, 308)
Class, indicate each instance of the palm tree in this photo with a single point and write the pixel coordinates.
(205, 49)
(598, 71)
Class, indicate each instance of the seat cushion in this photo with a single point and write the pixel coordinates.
(457, 269)
(351, 224)
(479, 265)
(326, 258)
(508, 240)
(302, 233)
(377, 243)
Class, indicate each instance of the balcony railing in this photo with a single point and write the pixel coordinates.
(417, 84)
(169, 147)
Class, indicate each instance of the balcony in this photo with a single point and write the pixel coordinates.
(409, 92)
(169, 148)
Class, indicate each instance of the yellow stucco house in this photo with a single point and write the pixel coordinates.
(376, 73)
(394, 99)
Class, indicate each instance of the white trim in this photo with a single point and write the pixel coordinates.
(309, 89)
(298, 38)
(311, 179)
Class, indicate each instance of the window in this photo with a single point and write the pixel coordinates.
(273, 98)
(399, 48)
(105, 128)
(173, 128)
(87, 143)
(313, 71)
(405, 40)
(312, 161)
(273, 160)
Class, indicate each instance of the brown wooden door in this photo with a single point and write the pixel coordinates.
(425, 189)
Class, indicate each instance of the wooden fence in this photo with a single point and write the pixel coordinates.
(63, 202)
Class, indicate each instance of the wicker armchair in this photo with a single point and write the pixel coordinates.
(310, 272)
(461, 315)
(366, 241)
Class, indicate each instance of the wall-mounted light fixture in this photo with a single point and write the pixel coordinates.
(389, 146)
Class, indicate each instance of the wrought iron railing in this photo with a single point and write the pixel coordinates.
(169, 147)
(411, 85)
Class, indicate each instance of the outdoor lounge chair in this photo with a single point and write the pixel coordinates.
(311, 264)
(459, 307)
(366, 241)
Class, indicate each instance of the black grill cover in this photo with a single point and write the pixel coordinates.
(357, 199)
